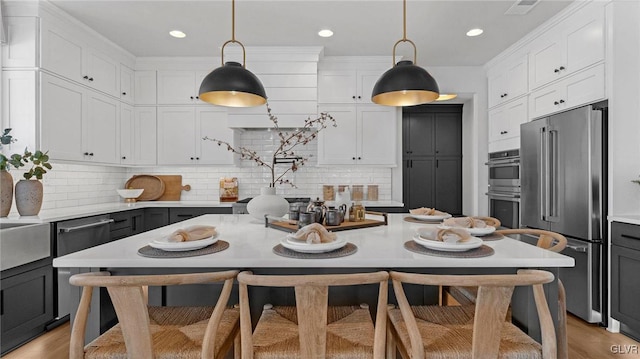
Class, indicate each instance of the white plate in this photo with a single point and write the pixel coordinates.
(165, 245)
(424, 217)
(473, 242)
(473, 231)
(304, 247)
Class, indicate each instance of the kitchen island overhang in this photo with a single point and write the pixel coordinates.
(251, 248)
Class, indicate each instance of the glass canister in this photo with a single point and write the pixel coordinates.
(359, 212)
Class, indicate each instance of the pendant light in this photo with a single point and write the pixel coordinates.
(405, 84)
(232, 85)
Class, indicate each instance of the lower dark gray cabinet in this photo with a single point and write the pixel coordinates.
(178, 214)
(155, 218)
(26, 304)
(625, 281)
(127, 223)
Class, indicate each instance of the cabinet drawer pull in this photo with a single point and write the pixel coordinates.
(119, 220)
(630, 237)
(184, 215)
(579, 249)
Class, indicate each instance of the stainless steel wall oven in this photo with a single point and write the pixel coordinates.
(504, 187)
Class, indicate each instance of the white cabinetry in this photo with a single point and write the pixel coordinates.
(180, 133)
(504, 125)
(179, 87)
(568, 47)
(67, 55)
(145, 87)
(137, 135)
(126, 85)
(579, 89)
(365, 135)
(508, 80)
(21, 47)
(78, 123)
(346, 86)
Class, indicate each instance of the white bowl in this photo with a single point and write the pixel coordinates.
(130, 193)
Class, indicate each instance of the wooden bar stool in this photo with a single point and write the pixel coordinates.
(156, 332)
(469, 332)
(313, 329)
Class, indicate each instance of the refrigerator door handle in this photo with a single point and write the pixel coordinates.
(545, 178)
(552, 215)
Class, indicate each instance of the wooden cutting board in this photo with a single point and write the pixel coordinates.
(172, 187)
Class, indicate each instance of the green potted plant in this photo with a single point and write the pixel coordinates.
(29, 190)
(6, 180)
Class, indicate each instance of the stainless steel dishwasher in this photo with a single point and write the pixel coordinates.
(72, 236)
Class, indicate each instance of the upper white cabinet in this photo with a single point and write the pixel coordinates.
(180, 133)
(504, 125)
(78, 123)
(581, 88)
(346, 86)
(179, 87)
(21, 47)
(137, 135)
(508, 80)
(365, 135)
(126, 85)
(568, 47)
(145, 87)
(68, 56)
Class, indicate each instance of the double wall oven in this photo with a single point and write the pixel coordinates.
(504, 187)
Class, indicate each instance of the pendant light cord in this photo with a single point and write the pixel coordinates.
(233, 36)
(404, 36)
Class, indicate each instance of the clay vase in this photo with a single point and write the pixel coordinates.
(6, 193)
(267, 203)
(29, 197)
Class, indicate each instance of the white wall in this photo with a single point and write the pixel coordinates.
(470, 83)
(623, 85)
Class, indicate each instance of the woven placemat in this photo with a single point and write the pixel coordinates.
(347, 250)
(414, 220)
(491, 237)
(148, 251)
(482, 251)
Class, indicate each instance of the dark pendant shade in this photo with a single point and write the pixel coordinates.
(405, 84)
(232, 85)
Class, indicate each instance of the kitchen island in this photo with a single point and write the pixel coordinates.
(378, 248)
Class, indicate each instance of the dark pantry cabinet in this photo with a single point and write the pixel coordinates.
(432, 157)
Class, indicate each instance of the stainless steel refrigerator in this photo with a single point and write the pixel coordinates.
(563, 190)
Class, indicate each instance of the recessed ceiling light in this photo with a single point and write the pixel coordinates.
(474, 32)
(325, 33)
(177, 33)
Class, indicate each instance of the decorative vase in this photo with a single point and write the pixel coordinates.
(267, 203)
(29, 197)
(6, 193)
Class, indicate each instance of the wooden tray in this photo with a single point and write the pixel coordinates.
(292, 226)
(172, 187)
(152, 185)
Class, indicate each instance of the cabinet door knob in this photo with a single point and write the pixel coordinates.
(91, 154)
(359, 158)
(556, 102)
(561, 101)
(359, 97)
(353, 97)
(556, 70)
(505, 95)
(86, 153)
(198, 158)
(124, 93)
(197, 97)
(90, 78)
(85, 77)
(124, 157)
(353, 158)
(191, 158)
(191, 97)
(561, 67)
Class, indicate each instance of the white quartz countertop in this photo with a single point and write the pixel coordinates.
(625, 218)
(251, 246)
(61, 214)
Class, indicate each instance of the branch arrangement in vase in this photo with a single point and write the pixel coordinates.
(285, 153)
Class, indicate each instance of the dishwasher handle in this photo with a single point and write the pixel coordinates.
(89, 225)
(579, 249)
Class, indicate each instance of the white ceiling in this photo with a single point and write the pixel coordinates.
(361, 27)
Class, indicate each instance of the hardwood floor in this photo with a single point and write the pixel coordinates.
(586, 341)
